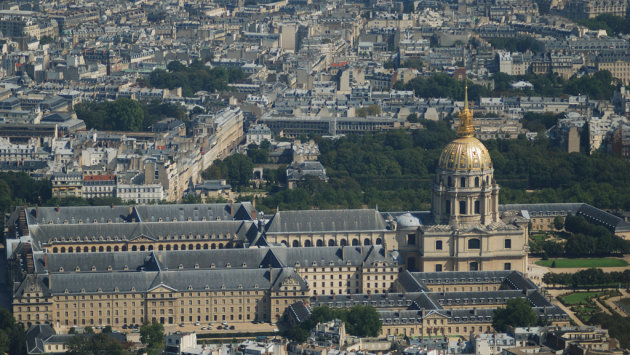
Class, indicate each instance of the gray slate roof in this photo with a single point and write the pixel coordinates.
(326, 221)
(128, 231)
(183, 280)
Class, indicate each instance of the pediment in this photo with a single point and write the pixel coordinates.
(162, 288)
(142, 239)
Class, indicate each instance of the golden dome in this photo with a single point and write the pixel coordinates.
(465, 153)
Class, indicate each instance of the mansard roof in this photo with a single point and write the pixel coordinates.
(313, 221)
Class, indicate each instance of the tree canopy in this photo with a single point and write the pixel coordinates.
(613, 25)
(95, 344)
(520, 44)
(362, 321)
(12, 339)
(125, 114)
(194, 78)
(517, 313)
(152, 335)
(237, 169)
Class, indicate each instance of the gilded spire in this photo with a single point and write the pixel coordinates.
(466, 128)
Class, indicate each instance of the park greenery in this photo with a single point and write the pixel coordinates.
(519, 44)
(599, 86)
(618, 327)
(195, 77)
(517, 313)
(581, 239)
(362, 321)
(152, 336)
(394, 169)
(582, 262)
(125, 114)
(12, 339)
(96, 344)
(237, 170)
(613, 25)
(540, 122)
(589, 279)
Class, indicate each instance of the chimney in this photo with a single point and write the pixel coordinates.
(112, 205)
(253, 214)
(45, 260)
(57, 208)
(232, 208)
(475, 311)
(36, 212)
(270, 273)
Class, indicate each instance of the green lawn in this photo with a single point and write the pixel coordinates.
(579, 297)
(584, 262)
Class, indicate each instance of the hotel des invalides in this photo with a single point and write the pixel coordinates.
(442, 271)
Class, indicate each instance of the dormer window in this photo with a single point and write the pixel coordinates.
(180, 266)
(77, 269)
(61, 269)
(244, 265)
(133, 289)
(82, 290)
(126, 268)
(212, 266)
(228, 265)
(116, 289)
(93, 268)
(196, 266)
(100, 289)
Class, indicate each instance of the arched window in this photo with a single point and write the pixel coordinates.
(438, 245)
(355, 242)
(331, 243)
(367, 241)
(55, 250)
(477, 207)
(93, 249)
(198, 246)
(109, 248)
(70, 250)
(220, 245)
(307, 243)
(100, 249)
(142, 248)
(474, 243)
(477, 182)
(462, 207)
(379, 241)
(116, 248)
(343, 242)
(150, 247)
(295, 244)
(205, 246)
(168, 247)
(474, 266)
(160, 247)
(284, 242)
(508, 243)
(213, 246)
(85, 249)
(320, 243)
(462, 182)
(449, 182)
(134, 248)
(176, 247)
